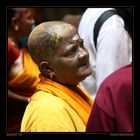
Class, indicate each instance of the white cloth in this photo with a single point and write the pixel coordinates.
(114, 47)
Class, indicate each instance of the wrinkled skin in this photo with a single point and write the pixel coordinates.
(58, 50)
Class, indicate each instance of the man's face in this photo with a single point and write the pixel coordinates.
(71, 60)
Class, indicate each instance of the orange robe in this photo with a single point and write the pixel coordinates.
(58, 108)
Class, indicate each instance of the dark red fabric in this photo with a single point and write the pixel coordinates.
(15, 112)
(14, 117)
(13, 54)
(112, 109)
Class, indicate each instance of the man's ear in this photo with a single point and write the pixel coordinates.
(44, 67)
(46, 70)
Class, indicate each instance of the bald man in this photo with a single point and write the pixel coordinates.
(59, 104)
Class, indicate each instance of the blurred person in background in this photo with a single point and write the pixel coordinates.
(72, 19)
(22, 71)
(113, 49)
(112, 111)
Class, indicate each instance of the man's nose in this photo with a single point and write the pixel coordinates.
(83, 52)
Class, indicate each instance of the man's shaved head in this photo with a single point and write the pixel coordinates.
(58, 50)
(45, 38)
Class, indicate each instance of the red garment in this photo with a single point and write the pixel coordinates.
(112, 109)
(13, 53)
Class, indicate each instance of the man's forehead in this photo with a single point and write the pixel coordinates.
(74, 39)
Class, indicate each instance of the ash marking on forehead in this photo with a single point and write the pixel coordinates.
(76, 37)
